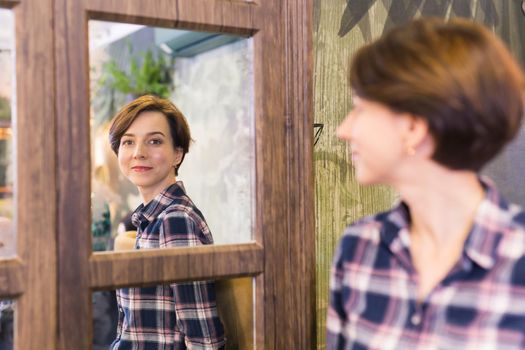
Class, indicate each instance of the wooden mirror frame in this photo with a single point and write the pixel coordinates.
(55, 271)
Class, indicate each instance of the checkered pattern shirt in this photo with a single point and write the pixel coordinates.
(176, 316)
(479, 305)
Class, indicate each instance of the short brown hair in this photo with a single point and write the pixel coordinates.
(457, 75)
(179, 129)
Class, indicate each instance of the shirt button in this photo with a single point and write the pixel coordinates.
(415, 319)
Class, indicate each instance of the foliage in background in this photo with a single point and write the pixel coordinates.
(154, 75)
(127, 75)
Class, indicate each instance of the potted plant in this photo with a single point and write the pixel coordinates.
(154, 75)
(146, 73)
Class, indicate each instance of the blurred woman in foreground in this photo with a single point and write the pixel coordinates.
(434, 101)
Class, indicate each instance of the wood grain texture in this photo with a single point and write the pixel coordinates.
(12, 281)
(340, 200)
(299, 87)
(154, 266)
(74, 219)
(285, 294)
(204, 15)
(271, 176)
(35, 321)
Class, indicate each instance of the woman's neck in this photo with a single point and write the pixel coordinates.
(148, 193)
(442, 202)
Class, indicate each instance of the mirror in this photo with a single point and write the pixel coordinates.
(235, 304)
(7, 312)
(209, 77)
(7, 117)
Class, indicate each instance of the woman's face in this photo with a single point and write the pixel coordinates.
(375, 135)
(146, 155)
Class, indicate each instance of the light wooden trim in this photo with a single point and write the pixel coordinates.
(12, 282)
(150, 267)
(35, 188)
(206, 15)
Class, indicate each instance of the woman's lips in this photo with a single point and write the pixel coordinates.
(140, 169)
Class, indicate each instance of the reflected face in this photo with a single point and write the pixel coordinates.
(375, 136)
(146, 155)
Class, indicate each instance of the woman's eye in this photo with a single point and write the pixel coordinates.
(126, 142)
(155, 141)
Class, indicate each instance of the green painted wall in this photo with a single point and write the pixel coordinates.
(340, 28)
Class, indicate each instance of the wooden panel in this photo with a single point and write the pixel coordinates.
(205, 15)
(271, 178)
(236, 310)
(301, 254)
(150, 267)
(74, 219)
(35, 320)
(284, 294)
(12, 282)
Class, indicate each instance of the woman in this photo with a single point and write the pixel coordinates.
(150, 137)
(434, 101)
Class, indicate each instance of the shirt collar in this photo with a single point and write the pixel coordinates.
(145, 214)
(491, 219)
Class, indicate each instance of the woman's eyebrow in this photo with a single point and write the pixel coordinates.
(155, 133)
(148, 134)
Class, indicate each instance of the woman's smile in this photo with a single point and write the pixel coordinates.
(141, 168)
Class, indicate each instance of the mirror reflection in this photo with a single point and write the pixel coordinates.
(7, 311)
(208, 79)
(234, 299)
(7, 98)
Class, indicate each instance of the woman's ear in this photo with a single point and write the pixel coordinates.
(178, 156)
(418, 139)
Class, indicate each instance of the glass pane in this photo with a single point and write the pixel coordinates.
(7, 311)
(7, 116)
(235, 305)
(209, 77)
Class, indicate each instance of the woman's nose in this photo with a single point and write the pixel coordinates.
(139, 152)
(344, 130)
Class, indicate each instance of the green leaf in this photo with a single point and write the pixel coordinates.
(153, 76)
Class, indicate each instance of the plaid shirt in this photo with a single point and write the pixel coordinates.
(176, 316)
(479, 305)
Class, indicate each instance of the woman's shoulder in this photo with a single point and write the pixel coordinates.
(181, 210)
(186, 210)
(361, 238)
(366, 230)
